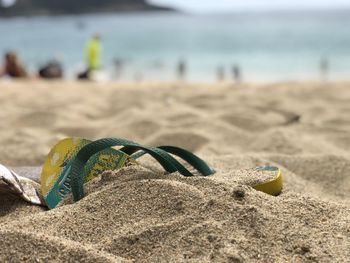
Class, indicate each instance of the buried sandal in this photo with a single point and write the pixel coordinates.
(169, 163)
(75, 161)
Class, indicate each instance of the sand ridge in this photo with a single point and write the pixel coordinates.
(140, 213)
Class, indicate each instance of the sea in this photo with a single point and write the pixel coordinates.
(264, 46)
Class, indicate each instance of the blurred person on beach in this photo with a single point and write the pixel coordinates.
(12, 66)
(324, 68)
(181, 69)
(93, 57)
(52, 70)
(236, 73)
(118, 66)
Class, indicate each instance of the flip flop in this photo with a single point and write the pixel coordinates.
(272, 186)
(185, 155)
(74, 161)
(169, 163)
(55, 178)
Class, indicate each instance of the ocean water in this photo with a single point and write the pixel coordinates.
(266, 46)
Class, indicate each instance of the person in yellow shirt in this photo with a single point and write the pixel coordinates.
(93, 53)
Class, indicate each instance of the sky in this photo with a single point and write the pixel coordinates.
(239, 5)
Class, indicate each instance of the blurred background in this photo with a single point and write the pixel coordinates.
(255, 40)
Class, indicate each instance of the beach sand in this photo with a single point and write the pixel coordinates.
(142, 214)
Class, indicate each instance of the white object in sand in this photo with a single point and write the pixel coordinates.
(28, 190)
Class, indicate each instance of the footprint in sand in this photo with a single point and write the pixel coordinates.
(260, 119)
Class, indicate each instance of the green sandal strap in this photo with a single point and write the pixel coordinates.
(168, 162)
(191, 158)
(187, 156)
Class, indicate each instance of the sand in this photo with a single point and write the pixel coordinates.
(142, 214)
